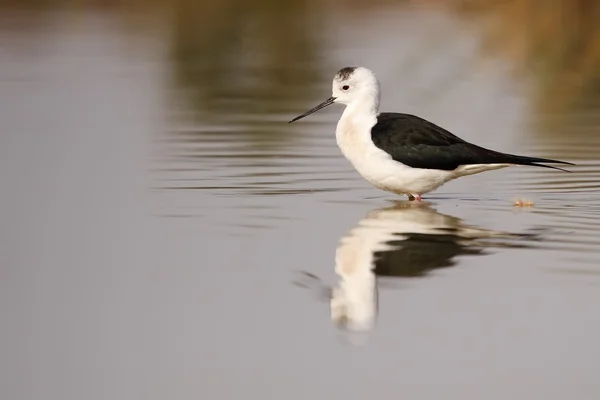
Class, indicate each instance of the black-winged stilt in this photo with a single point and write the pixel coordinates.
(402, 153)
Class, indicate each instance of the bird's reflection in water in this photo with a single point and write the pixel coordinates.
(406, 240)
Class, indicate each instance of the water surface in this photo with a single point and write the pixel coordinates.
(166, 233)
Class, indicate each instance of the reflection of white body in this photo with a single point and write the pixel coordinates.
(354, 301)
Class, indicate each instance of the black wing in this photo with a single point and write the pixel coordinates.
(419, 143)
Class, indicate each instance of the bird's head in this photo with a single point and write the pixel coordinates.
(354, 83)
(351, 85)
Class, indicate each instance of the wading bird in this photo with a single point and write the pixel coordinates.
(402, 153)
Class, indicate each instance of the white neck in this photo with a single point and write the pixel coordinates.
(363, 107)
(356, 122)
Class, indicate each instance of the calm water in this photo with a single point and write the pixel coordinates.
(167, 235)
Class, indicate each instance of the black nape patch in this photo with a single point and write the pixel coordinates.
(345, 73)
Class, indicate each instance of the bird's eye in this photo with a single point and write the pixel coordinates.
(345, 87)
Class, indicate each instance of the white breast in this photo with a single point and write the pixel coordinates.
(376, 166)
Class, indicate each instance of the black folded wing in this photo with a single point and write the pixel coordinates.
(418, 143)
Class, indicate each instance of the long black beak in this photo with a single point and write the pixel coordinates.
(324, 104)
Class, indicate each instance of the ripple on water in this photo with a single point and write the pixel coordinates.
(567, 203)
(223, 168)
(224, 164)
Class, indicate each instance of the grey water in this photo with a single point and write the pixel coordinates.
(167, 235)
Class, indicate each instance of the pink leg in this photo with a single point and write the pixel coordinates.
(412, 197)
(418, 197)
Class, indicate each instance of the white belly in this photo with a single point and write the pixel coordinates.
(385, 173)
(378, 167)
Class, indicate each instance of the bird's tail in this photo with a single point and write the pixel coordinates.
(535, 161)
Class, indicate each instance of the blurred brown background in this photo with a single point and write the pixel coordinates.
(156, 206)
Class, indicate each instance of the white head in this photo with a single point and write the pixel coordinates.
(352, 85)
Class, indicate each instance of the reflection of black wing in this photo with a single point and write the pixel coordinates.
(420, 253)
(418, 143)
